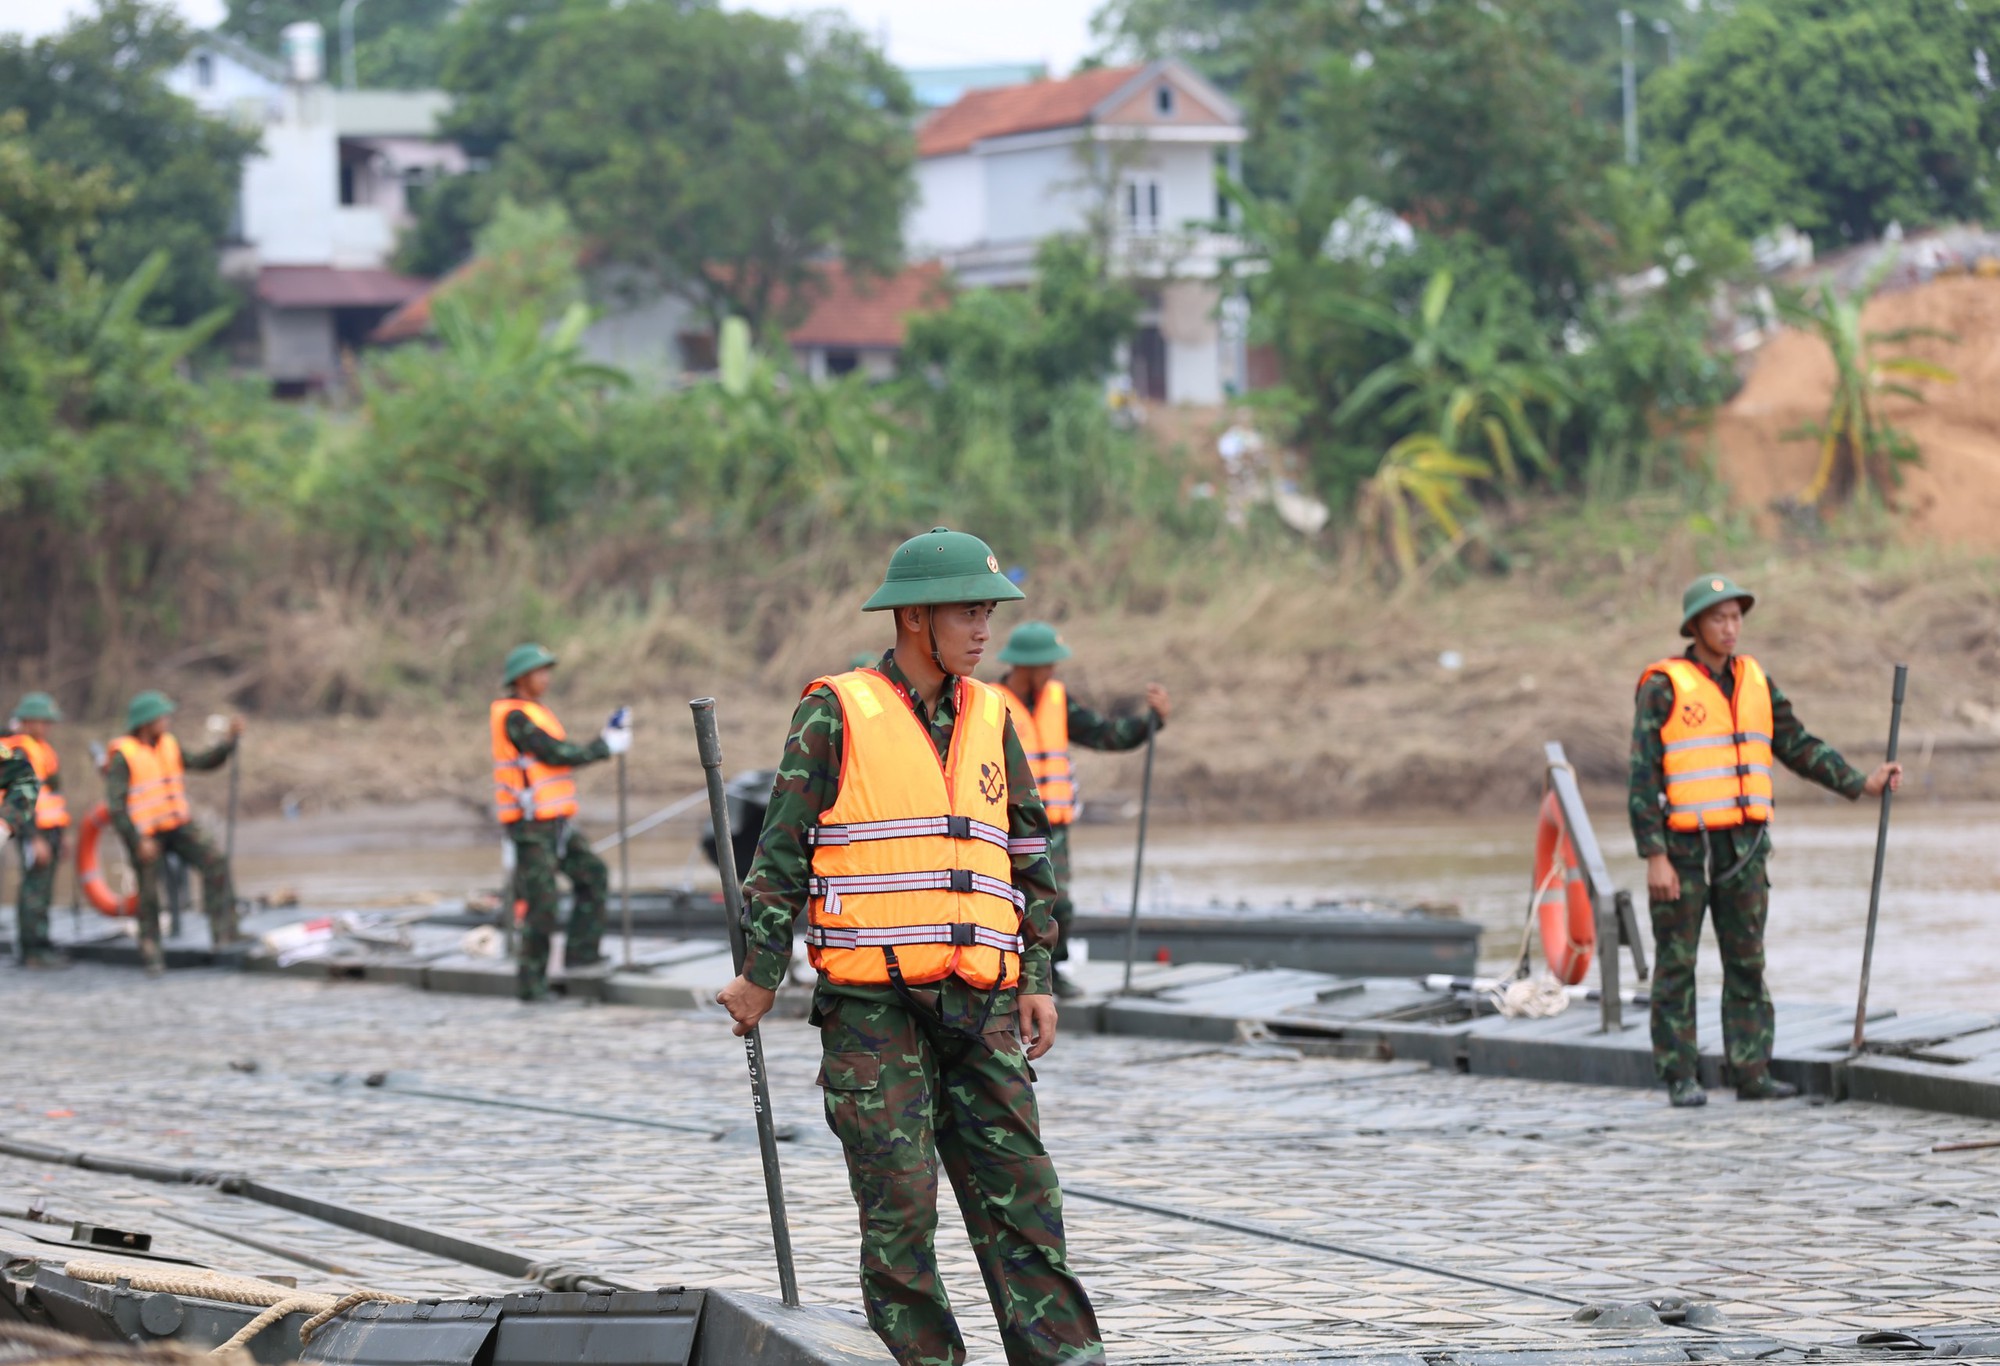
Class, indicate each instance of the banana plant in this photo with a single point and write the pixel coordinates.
(1858, 447)
(1456, 380)
(1420, 495)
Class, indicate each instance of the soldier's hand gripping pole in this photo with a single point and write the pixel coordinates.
(710, 747)
(1881, 849)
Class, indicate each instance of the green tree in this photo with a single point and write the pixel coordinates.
(398, 44)
(727, 155)
(102, 435)
(1858, 447)
(94, 100)
(1837, 116)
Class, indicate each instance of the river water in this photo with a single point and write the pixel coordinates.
(1938, 945)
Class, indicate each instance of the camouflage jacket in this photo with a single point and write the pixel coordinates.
(809, 780)
(1797, 748)
(17, 791)
(1109, 734)
(530, 738)
(118, 782)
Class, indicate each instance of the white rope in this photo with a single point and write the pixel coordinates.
(277, 1301)
(1530, 998)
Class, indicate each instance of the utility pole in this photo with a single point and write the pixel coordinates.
(1631, 88)
(1666, 31)
(347, 8)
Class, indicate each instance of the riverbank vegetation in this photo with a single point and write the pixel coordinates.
(1498, 343)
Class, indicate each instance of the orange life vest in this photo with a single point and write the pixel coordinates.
(525, 788)
(1718, 749)
(51, 811)
(1044, 732)
(912, 875)
(156, 796)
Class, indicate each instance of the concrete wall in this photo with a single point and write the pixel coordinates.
(298, 343)
(1188, 322)
(950, 211)
(1036, 192)
(643, 339)
(292, 187)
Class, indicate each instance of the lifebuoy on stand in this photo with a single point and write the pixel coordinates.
(90, 876)
(1562, 898)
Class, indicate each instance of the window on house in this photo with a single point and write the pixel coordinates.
(842, 362)
(1142, 206)
(697, 352)
(1163, 101)
(204, 70)
(347, 185)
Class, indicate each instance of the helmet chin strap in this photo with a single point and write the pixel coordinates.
(930, 625)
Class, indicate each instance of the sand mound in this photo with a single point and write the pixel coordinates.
(1954, 496)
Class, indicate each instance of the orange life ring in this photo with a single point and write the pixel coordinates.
(1562, 899)
(95, 889)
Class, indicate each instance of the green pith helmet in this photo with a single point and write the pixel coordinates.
(942, 566)
(1034, 642)
(1707, 591)
(525, 659)
(147, 706)
(37, 706)
(867, 659)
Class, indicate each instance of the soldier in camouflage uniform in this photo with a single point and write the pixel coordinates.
(1032, 652)
(915, 1077)
(18, 787)
(41, 847)
(538, 819)
(1721, 870)
(146, 727)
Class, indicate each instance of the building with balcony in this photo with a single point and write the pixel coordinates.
(1128, 155)
(322, 200)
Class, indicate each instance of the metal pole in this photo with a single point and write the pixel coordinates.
(709, 744)
(1631, 84)
(624, 866)
(235, 787)
(347, 8)
(1139, 854)
(646, 823)
(1881, 850)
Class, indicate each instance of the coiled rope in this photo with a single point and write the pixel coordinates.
(278, 1301)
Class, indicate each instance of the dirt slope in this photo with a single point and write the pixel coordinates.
(1954, 496)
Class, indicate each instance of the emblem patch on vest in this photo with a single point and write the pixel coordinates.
(1693, 713)
(993, 783)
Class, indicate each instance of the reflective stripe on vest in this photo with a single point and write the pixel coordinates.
(156, 796)
(912, 858)
(1718, 761)
(525, 788)
(51, 811)
(1044, 732)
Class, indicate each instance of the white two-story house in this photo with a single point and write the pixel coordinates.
(322, 200)
(1129, 155)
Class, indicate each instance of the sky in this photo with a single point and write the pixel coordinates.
(919, 32)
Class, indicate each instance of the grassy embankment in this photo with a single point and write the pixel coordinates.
(1301, 691)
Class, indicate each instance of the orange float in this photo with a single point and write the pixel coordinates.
(95, 889)
(1562, 899)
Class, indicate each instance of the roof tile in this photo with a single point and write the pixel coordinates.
(1010, 109)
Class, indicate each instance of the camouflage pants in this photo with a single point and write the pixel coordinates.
(549, 848)
(900, 1111)
(38, 886)
(1739, 907)
(218, 898)
(1065, 909)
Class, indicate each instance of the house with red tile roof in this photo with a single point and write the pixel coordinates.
(1128, 153)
